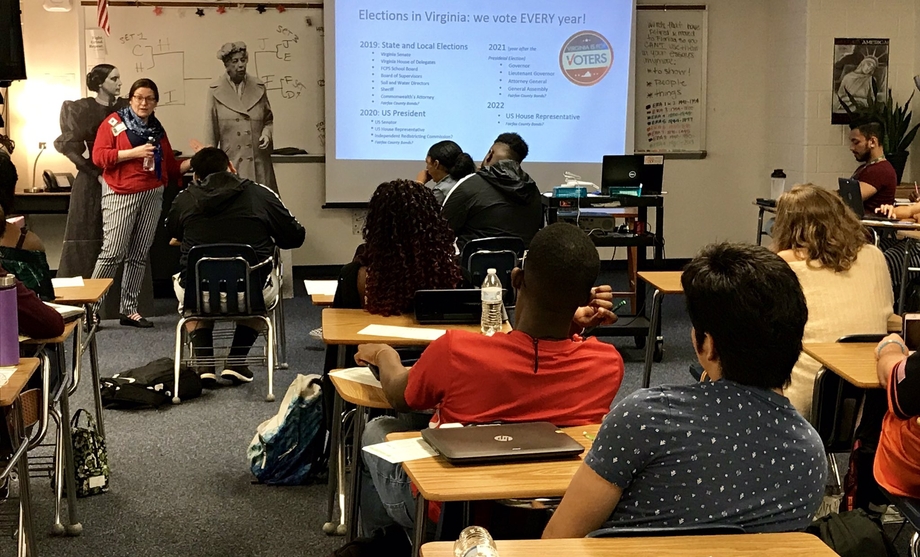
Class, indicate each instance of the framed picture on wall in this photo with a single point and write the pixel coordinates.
(860, 74)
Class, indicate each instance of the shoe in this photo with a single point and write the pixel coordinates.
(237, 376)
(317, 333)
(140, 322)
(208, 378)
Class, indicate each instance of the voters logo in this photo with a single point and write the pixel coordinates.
(586, 58)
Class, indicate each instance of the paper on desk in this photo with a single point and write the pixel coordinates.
(64, 282)
(23, 338)
(358, 375)
(402, 450)
(417, 333)
(321, 287)
(6, 373)
(67, 312)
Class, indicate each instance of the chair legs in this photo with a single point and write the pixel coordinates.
(270, 356)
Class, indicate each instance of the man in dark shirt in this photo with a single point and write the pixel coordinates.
(222, 208)
(499, 200)
(877, 178)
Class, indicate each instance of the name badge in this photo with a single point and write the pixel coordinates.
(118, 128)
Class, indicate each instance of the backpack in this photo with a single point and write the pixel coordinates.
(289, 448)
(853, 534)
(149, 386)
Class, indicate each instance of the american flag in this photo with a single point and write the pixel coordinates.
(102, 15)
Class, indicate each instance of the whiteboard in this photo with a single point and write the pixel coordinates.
(178, 50)
(670, 79)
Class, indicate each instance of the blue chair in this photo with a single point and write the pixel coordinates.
(696, 530)
(224, 283)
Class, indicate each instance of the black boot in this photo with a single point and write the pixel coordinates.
(243, 339)
(203, 347)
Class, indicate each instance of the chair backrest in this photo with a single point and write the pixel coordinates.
(503, 262)
(835, 404)
(221, 280)
(695, 530)
(494, 243)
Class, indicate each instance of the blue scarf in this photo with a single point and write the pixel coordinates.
(140, 133)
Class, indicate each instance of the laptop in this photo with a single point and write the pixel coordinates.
(621, 172)
(457, 306)
(502, 443)
(852, 196)
(631, 171)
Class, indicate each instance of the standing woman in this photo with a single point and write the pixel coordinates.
(239, 118)
(136, 160)
(80, 120)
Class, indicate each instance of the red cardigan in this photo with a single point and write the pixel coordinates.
(129, 176)
(36, 320)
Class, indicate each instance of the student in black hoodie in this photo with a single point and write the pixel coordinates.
(499, 200)
(221, 208)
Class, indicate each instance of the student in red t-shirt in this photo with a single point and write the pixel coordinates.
(877, 178)
(541, 371)
(897, 461)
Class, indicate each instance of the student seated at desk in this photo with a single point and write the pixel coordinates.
(36, 319)
(897, 461)
(21, 250)
(844, 278)
(541, 371)
(732, 450)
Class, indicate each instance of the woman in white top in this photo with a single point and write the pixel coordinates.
(844, 277)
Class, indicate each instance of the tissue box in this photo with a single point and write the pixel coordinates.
(566, 192)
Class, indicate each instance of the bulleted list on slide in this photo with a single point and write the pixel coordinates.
(409, 77)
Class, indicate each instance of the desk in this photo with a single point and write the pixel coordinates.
(341, 327)
(12, 408)
(763, 206)
(793, 544)
(638, 244)
(664, 282)
(66, 469)
(895, 323)
(853, 361)
(42, 203)
(322, 300)
(87, 296)
(438, 480)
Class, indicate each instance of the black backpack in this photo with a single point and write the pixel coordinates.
(853, 534)
(149, 386)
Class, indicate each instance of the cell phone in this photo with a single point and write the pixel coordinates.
(376, 370)
(910, 330)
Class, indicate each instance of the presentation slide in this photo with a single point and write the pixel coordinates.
(411, 73)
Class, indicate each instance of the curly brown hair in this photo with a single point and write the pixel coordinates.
(817, 223)
(409, 247)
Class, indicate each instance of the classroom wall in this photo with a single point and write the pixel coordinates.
(768, 99)
(827, 155)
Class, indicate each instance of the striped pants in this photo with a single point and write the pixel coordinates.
(129, 222)
(894, 256)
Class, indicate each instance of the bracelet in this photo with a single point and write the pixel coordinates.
(878, 351)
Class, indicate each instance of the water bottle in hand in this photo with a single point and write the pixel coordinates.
(149, 165)
(475, 541)
(491, 321)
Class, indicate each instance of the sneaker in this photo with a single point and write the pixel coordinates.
(208, 377)
(237, 376)
(317, 333)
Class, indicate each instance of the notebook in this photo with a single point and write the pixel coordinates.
(502, 443)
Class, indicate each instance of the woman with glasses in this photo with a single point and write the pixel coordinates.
(136, 160)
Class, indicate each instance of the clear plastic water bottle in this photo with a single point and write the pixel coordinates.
(149, 165)
(777, 183)
(491, 321)
(475, 541)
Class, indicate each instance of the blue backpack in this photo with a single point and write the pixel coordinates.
(289, 448)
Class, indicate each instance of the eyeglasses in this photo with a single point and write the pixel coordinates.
(148, 100)
(523, 259)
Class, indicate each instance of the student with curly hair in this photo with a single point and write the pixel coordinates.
(844, 278)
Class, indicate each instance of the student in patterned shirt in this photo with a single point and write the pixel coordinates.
(729, 451)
